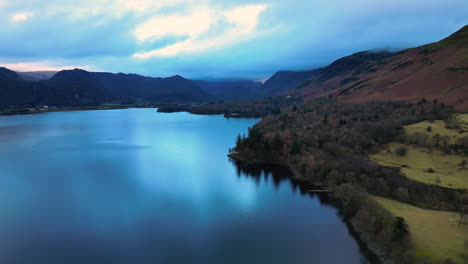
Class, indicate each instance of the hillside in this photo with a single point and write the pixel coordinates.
(283, 81)
(230, 90)
(82, 88)
(434, 71)
(13, 89)
(6, 74)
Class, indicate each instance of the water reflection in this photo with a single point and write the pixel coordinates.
(278, 175)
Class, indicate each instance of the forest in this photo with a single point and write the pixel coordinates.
(327, 142)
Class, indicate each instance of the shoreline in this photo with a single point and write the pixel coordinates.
(374, 252)
(33, 111)
(73, 109)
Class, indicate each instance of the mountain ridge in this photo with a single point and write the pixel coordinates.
(436, 71)
(230, 90)
(282, 81)
(9, 74)
(79, 87)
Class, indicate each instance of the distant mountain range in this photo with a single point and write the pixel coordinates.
(434, 71)
(236, 90)
(82, 88)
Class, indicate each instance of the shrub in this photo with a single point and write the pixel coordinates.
(401, 151)
(462, 164)
(462, 144)
(419, 138)
(401, 194)
(453, 123)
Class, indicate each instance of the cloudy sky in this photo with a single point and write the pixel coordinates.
(213, 39)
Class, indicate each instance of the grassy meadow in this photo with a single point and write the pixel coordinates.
(427, 166)
(436, 235)
(430, 166)
(439, 126)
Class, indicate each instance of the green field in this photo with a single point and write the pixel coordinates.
(426, 165)
(439, 126)
(417, 162)
(436, 235)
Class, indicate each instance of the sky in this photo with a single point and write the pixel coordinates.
(213, 39)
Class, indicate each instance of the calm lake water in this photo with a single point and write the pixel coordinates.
(135, 187)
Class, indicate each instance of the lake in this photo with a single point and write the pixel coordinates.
(135, 186)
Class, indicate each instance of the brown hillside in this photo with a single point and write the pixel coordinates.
(435, 71)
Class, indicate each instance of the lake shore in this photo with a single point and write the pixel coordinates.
(375, 252)
(30, 111)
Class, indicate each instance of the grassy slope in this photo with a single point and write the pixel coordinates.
(420, 159)
(436, 235)
(438, 126)
(435, 71)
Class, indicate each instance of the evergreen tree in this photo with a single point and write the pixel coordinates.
(296, 147)
(277, 143)
(266, 145)
(238, 142)
(400, 229)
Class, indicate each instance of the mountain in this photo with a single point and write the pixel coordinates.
(72, 88)
(283, 81)
(82, 88)
(133, 86)
(13, 89)
(230, 90)
(37, 75)
(437, 71)
(6, 74)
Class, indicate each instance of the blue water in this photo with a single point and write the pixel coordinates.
(135, 187)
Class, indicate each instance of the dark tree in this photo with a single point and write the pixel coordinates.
(296, 147)
(400, 229)
(238, 142)
(277, 143)
(266, 145)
